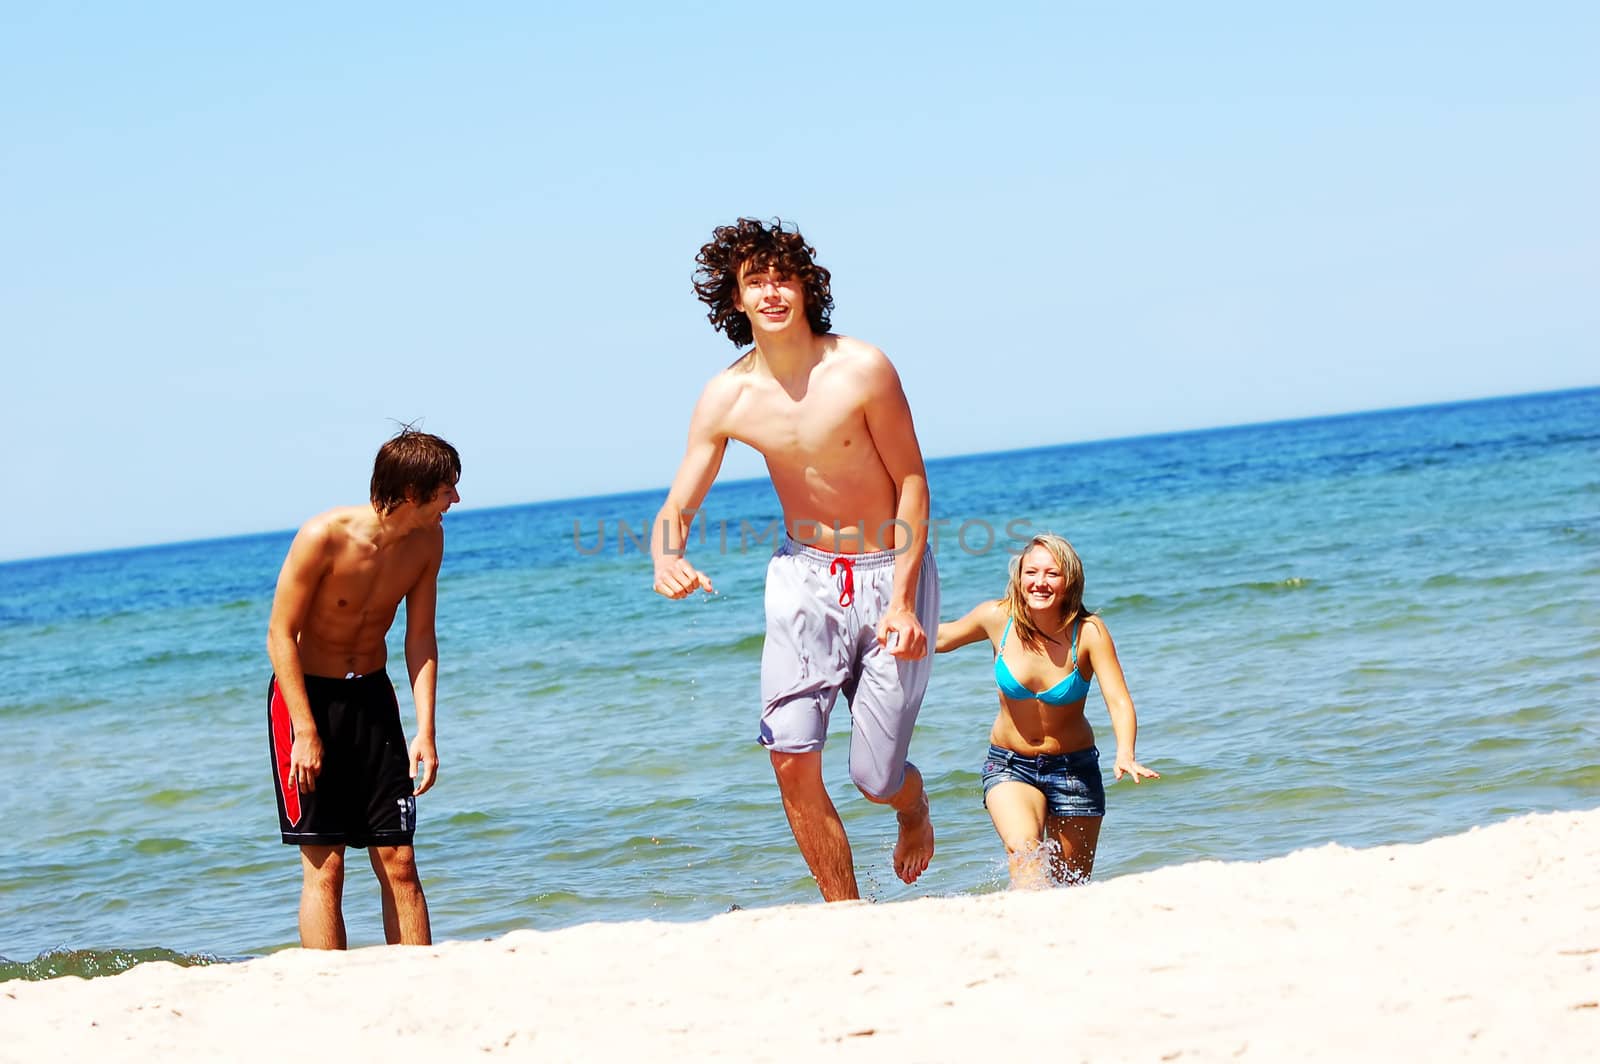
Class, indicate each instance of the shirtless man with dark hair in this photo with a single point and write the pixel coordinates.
(340, 766)
(851, 591)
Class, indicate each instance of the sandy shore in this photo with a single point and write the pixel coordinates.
(1482, 946)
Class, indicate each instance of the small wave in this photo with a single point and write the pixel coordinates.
(92, 963)
(159, 846)
(1381, 669)
(1583, 778)
(1288, 583)
(1132, 602)
(177, 657)
(1243, 592)
(1580, 535)
(1309, 794)
(1291, 638)
(750, 644)
(1496, 743)
(544, 690)
(1408, 617)
(171, 797)
(1439, 580)
(1571, 437)
(465, 819)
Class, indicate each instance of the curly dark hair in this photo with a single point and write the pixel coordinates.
(750, 243)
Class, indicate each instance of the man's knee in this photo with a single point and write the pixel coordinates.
(396, 864)
(322, 867)
(796, 768)
(871, 791)
(878, 783)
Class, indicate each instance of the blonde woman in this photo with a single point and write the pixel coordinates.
(1041, 778)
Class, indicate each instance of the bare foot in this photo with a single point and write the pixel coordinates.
(914, 849)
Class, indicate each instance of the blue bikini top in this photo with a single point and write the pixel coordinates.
(1073, 688)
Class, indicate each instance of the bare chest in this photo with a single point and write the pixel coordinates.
(364, 584)
(823, 429)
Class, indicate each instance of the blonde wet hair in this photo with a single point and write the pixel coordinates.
(1072, 607)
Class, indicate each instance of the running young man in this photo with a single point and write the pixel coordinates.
(340, 765)
(851, 591)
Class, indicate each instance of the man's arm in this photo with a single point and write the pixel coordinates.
(669, 536)
(894, 435)
(422, 662)
(302, 571)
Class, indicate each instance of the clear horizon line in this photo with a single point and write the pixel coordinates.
(928, 460)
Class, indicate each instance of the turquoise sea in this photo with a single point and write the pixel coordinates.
(1363, 629)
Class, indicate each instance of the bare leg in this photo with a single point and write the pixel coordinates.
(1018, 812)
(321, 897)
(405, 910)
(818, 831)
(914, 848)
(1077, 837)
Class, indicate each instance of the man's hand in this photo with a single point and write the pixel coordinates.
(1127, 765)
(426, 759)
(902, 633)
(676, 578)
(305, 760)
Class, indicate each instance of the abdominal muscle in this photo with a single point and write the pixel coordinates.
(1032, 728)
(853, 517)
(845, 539)
(337, 648)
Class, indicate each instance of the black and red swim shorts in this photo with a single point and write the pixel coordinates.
(363, 795)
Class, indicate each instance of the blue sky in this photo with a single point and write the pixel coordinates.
(240, 241)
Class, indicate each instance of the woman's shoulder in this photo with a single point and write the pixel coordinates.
(1092, 630)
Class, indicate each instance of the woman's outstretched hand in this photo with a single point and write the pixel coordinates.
(1126, 764)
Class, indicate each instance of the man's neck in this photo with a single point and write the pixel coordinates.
(387, 529)
(790, 354)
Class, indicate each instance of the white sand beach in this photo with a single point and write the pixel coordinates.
(1480, 946)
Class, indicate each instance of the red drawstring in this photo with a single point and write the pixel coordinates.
(848, 594)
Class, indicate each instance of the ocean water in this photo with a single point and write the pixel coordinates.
(1365, 629)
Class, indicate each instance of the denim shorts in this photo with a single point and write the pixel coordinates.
(1071, 782)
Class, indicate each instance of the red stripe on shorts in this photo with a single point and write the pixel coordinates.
(282, 742)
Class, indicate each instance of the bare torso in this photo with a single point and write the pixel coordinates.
(363, 582)
(830, 479)
(1029, 726)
